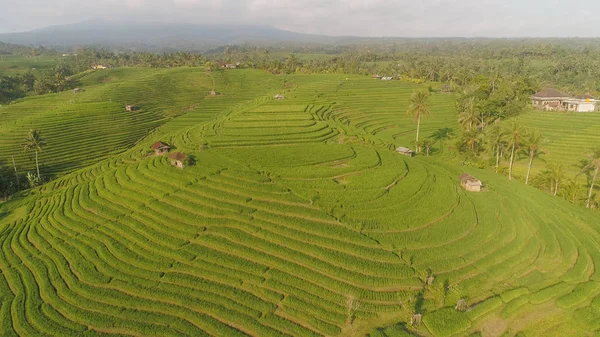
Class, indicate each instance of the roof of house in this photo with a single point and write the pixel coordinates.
(177, 156)
(550, 92)
(586, 96)
(465, 177)
(403, 149)
(160, 145)
(279, 96)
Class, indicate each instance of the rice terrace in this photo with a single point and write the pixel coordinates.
(239, 192)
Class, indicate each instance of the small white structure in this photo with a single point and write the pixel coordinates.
(388, 78)
(99, 66)
(405, 151)
(279, 97)
(583, 103)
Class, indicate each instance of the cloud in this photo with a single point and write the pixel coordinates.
(333, 17)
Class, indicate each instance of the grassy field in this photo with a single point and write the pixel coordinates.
(298, 219)
(11, 65)
(569, 136)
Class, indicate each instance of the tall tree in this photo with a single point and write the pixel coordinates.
(514, 135)
(593, 163)
(533, 142)
(496, 142)
(418, 109)
(556, 175)
(469, 116)
(34, 141)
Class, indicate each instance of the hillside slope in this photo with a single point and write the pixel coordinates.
(297, 219)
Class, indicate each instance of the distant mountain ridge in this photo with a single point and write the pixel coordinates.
(158, 36)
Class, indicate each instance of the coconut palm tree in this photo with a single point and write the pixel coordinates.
(473, 140)
(533, 142)
(556, 174)
(418, 109)
(427, 146)
(34, 141)
(593, 163)
(469, 117)
(514, 135)
(496, 142)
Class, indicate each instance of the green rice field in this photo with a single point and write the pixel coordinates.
(297, 219)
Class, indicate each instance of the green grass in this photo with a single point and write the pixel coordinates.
(569, 136)
(11, 65)
(297, 213)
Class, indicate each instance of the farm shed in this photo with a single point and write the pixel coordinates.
(160, 148)
(470, 183)
(214, 93)
(405, 151)
(177, 159)
(131, 107)
(388, 78)
(446, 88)
(77, 90)
(376, 76)
(279, 97)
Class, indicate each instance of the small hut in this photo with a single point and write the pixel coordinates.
(430, 280)
(131, 107)
(77, 90)
(415, 320)
(470, 183)
(160, 148)
(214, 93)
(177, 159)
(461, 305)
(387, 78)
(446, 88)
(376, 76)
(405, 151)
(279, 97)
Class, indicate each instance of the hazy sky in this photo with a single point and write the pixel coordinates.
(332, 17)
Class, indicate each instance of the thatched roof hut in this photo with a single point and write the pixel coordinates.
(177, 159)
(160, 148)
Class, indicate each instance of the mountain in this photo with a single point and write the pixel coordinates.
(157, 36)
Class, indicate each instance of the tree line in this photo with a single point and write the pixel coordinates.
(485, 142)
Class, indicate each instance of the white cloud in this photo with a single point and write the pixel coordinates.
(335, 17)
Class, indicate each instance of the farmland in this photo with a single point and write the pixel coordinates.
(11, 65)
(568, 136)
(297, 219)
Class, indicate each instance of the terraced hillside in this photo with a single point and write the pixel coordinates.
(296, 220)
(569, 136)
(83, 128)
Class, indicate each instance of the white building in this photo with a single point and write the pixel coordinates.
(550, 99)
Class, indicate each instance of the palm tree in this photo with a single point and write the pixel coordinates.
(473, 139)
(557, 175)
(418, 109)
(427, 146)
(469, 117)
(514, 135)
(571, 191)
(34, 141)
(497, 142)
(533, 142)
(592, 164)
